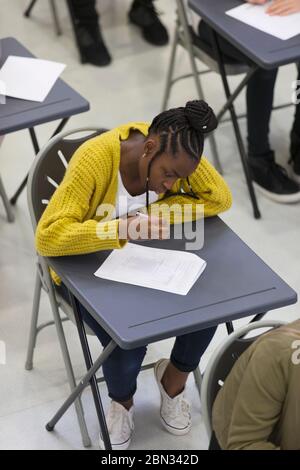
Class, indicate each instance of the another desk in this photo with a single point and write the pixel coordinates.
(236, 283)
(62, 102)
(263, 49)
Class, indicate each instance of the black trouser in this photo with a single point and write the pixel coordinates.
(214, 444)
(259, 95)
(85, 12)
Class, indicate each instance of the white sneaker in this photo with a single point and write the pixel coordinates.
(174, 412)
(120, 426)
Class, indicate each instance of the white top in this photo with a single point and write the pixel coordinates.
(126, 203)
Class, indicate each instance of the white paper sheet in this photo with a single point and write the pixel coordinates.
(29, 78)
(282, 27)
(167, 270)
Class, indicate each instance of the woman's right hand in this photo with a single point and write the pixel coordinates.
(257, 2)
(144, 228)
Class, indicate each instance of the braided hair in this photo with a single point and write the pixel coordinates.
(184, 127)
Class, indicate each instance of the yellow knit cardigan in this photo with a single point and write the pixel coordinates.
(70, 225)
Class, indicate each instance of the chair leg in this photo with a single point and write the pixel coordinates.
(68, 365)
(8, 208)
(168, 86)
(34, 321)
(189, 46)
(198, 380)
(30, 7)
(55, 18)
(236, 127)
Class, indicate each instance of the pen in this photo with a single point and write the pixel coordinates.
(145, 216)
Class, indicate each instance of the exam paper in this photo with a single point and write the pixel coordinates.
(166, 270)
(29, 78)
(282, 27)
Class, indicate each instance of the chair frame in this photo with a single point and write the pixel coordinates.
(216, 358)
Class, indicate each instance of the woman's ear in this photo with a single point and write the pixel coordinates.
(149, 148)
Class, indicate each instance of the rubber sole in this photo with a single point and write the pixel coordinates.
(280, 198)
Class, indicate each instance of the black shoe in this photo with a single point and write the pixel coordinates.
(295, 156)
(91, 46)
(272, 179)
(143, 14)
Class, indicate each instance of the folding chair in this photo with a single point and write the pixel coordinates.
(212, 57)
(49, 169)
(221, 363)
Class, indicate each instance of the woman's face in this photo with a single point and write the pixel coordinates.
(166, 169)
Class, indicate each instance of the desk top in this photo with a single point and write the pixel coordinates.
(236, 283)
(265, 50)
(61, 102)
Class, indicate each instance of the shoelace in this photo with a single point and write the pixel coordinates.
(122, 421)
(177, 407)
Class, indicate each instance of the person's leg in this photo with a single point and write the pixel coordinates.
(260, 95)
(295, 139)
(90, 42)
(185, 358)
(143, 14)
(270, 178)
(230, 53)
(171, 377)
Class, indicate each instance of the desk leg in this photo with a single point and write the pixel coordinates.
(237, 131)
(29, 8)
(80, 387)
(258, 317)
(36, 151)
(89, 364)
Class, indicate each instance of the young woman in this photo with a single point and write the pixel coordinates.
(147, 165)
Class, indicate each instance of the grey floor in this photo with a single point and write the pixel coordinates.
(130, 89)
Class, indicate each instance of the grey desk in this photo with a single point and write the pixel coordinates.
(236, 283)
(61, 103)
(265, 50)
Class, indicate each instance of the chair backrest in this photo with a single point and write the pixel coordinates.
(46, 173)
(222, 361)
(49, 166)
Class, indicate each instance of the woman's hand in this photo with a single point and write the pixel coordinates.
(144, 228)
(283, 7)
(257, 2)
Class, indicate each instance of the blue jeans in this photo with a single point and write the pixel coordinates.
(122, 367)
